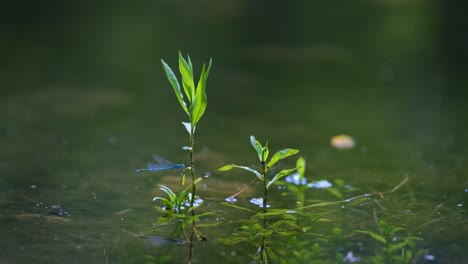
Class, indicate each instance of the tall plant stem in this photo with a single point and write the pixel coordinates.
(192, 198)
(263, 256)
(192, 166)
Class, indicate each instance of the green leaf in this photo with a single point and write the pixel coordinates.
(170, 193)
(200, 100)
(316, 248)
(188, 127)
(187, 77)
(166, 202)
(280, 175)
(209, 69)
(335, 192)
(175, 84)
(301, 165)
(237, 207)
(182, 180)
(265, 152)
(396, 247)
(258, 147)
(373, 235)
(281, 155)
(231, 166)
(337, 231)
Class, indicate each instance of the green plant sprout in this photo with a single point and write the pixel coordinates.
(177, 203)
(194, 106)
(263, 152)
(265, 251)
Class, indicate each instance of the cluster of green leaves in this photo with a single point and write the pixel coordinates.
(263, 154)
(395, 249)
(195, 105)
(176, 203)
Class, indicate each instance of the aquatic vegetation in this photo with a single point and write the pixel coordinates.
(274, 233)
(194, 106)
(394, 248)
(265, 251)
(266, 165)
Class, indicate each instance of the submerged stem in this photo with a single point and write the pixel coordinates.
(263, 256)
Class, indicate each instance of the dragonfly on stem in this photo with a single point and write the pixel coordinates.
(161, 165)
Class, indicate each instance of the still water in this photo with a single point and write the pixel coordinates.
(84, 103)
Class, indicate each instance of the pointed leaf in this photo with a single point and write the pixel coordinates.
(265, 152)
(187, 77)
(168, 203)
(175, 84)
(258, 147)
(209, 69)
(231, 166)
(170, 193)
(280, 175)
(373, 235)
(188, 127)
(301, 164)
(200, 100)
(189, 63)
(281, 155)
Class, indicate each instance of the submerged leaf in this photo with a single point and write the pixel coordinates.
(373, 235)
(282, 154)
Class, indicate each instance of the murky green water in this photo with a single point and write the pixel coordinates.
(84, 103)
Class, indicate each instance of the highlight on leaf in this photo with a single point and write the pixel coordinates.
(280, 175)
(231, 166)
(175, 85)
(186, 72)
(282, 154)
(258, 147)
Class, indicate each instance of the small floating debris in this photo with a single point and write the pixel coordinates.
(231, 199)
(258, 201)
(158, 241)
(57, 210)
(38, 217)
(296, 180)
(429, 257)
(350, 258)
(319, 184)
(343, 142)
(196, 202)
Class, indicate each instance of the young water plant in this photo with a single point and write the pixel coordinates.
(264, 252)
(394, 248)
(266, 165)
(193, 101)
(194, 106)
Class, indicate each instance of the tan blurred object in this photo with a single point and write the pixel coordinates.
(343, 142)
